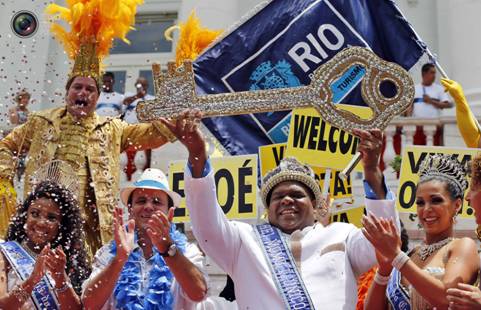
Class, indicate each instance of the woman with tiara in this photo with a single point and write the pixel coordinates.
(43, 262)
(419, 280)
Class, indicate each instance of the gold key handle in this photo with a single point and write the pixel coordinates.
(175, 92)
(341, 70)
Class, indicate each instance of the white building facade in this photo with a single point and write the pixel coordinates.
(39, 64)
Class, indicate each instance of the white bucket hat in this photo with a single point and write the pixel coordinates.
(150, 179)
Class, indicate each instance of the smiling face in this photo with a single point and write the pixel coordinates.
(82, 97)
(43, 222)
(291, 207)
(435, 207)
(145, 202)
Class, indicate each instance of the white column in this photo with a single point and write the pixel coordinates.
(408, 132)
(429, 131)
(458, 21)
(139, 161)
(123, 165)
(389, 152)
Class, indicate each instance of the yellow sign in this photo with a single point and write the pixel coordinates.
(412, 158)
(353, 216)
(236, 182)
(315, 142)
(271, 155)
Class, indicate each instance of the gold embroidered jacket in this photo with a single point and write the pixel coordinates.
(39, 138)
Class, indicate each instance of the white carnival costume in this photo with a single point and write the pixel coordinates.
(328, 260)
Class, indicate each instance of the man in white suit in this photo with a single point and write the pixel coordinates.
(291, 262)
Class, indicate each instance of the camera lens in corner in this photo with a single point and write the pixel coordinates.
(24, 24)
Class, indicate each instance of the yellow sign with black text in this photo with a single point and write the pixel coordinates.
(315, 142)
(236, 182)
(412, 158)
(352, 216)
(271, 155)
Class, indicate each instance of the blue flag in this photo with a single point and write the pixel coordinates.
(282, 44)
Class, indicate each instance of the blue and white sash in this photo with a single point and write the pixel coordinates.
(23, 264)
(284, 271)
(395, 293)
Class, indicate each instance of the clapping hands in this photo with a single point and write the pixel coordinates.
(159, 230)
(124, 237)
(52, 261)
(383, 235)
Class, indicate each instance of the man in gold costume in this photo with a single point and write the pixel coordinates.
(75, 133)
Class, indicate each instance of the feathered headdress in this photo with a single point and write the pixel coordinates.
(94, 24)
(193, 39)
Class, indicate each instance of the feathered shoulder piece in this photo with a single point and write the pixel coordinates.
(193, 39)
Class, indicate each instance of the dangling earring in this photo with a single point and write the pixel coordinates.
(454, 219)
(456, 212)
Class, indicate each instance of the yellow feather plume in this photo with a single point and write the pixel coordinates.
(100, 21)
(193, 39)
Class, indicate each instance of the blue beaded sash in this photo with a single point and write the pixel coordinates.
(395, 293)
(284, 271)
(23, 264)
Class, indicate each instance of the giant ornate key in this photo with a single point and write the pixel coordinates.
(175, 92)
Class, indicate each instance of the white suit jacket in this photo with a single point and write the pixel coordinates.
(332, 257)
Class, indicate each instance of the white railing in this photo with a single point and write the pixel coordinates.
(407, 127)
